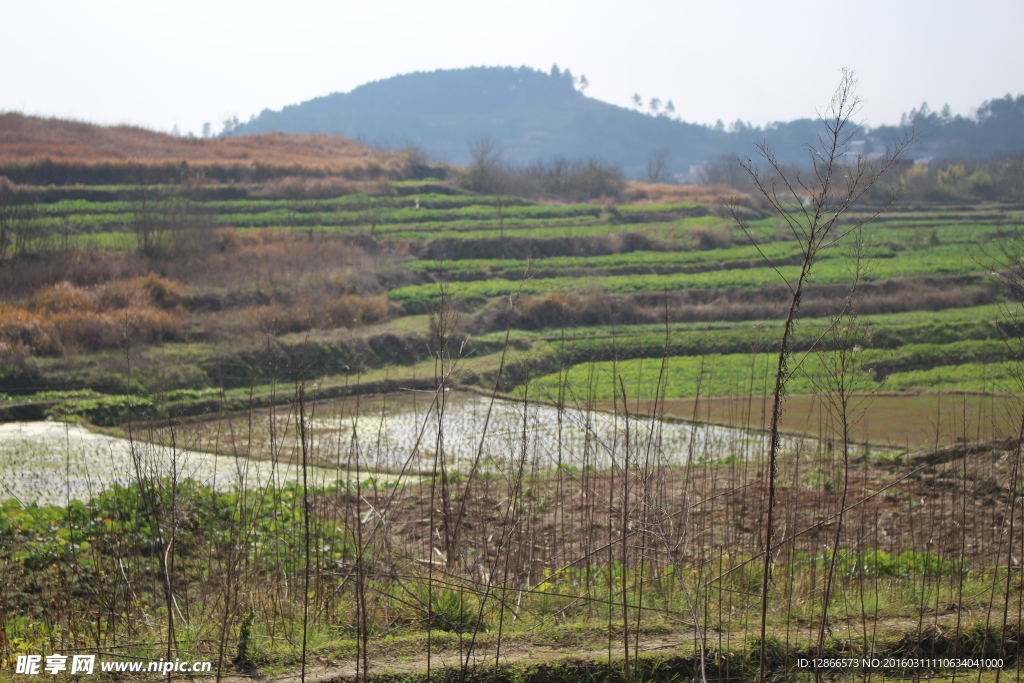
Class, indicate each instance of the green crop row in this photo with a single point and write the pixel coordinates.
(388, 221)
(742, 374)
(917, 345)
(463, 226)
(357, 202)
(734, 374)
(712, 259)
(82, 222)
(283, 216)
(657, 208)
(942, 260)
(70, 207)
(999, 377)
(457, 229)
(987, 320)
(569, 227)
(348, 203)
(470, 269)
(966, 233)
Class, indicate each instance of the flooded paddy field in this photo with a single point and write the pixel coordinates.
(421, 431)
(384, 437)
(49, 463)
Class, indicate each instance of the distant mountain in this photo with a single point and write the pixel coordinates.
(533, 115)
(996, 129)
(536, 116)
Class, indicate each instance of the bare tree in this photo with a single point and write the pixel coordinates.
(811, 206)
(725, 170)
(168, 222)
(485, 170)
(16, 215)
(657, 166)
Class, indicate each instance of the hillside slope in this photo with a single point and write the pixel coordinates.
(27, 139)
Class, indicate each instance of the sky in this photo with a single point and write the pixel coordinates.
(166, 65)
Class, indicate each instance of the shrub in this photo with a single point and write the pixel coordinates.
(61, 318)
(555, 310)
(62, 297)
(162, 293)
(351, 309)
(120, 294)
(445, 609)
(277, 319)
(89, 331)
(22, 329)
(548, 310)
(706, 237)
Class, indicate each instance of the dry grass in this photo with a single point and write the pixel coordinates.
(31, 138)
(64, 318)
(320, 312)
(260, 283)
(638, 192)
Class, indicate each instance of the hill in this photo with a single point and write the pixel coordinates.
(28, 141)
(534, 115)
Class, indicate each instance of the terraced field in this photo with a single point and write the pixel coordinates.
(417, 410)
(666, 300)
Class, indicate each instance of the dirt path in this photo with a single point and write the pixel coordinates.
(534, 649)
(519, 650)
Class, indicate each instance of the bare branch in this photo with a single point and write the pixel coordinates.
(834, 188)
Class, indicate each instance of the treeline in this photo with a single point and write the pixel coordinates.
(997, 128)
(563, 178)
(941, 181)
(959, 181)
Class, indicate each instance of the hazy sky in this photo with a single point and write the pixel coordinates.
(161, 64)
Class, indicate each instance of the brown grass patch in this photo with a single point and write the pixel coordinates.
(63, 317)
(31, 138)
(638, 192)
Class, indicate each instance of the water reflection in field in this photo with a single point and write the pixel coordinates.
(50, 462)
(462, 429)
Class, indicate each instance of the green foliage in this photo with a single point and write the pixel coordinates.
(1001, 377)
(52, 395)
(872, 563)
(102, 410)
(288, 217)
(941, 260)
(445, 608)
(949, 366)
(132, 518)
(475, 269)
(244, 650)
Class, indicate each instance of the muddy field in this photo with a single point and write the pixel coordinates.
(952, 502)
